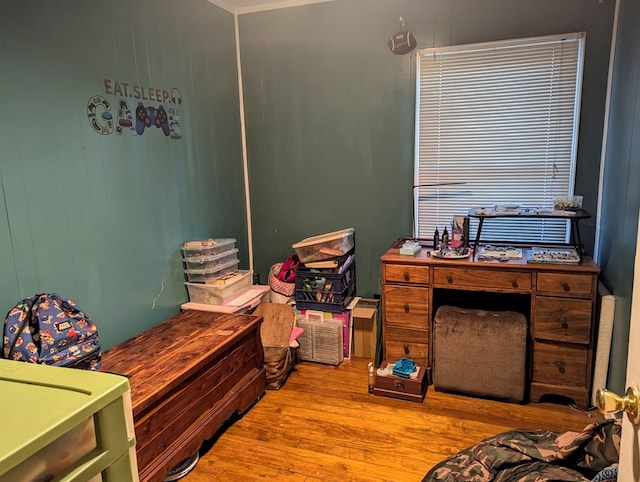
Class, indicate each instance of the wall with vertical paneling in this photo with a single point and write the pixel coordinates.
(621, 196)
(330, 111)
(99, 217)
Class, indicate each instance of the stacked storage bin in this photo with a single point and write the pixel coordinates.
(327, 281)
(210, 267)
(325, 286)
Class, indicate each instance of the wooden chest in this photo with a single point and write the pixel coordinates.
(403, 388)
(188, 375)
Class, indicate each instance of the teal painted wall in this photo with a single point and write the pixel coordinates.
(619, 215)
(330, 139)
(329, 112)
(100, 218)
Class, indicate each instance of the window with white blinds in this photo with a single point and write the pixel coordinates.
(497, 123)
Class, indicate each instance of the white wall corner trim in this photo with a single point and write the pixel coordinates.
(605, 131)
(250, 6)
(224, 4)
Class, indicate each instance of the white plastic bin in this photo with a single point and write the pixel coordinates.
(221, 291)
(207, 247)
(211, 262)
(325, 246)
(209, 275)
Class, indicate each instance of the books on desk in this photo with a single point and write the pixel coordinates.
(410, 248)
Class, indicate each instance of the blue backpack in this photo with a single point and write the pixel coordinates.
(52, 330)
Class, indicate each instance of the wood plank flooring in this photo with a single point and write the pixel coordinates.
(322, 425)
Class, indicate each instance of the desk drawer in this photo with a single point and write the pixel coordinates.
(565, 284)
(406, 306)
(560, 364)
(399, 273)
(563, 319)
(413, 344)
(402, 388)
(393, 351)
(484, 279)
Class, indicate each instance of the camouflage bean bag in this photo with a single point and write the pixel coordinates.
(536, 455)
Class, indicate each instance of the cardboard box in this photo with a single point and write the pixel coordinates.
(365, 328)
(412, 389)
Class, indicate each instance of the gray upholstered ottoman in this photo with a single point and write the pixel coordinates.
(480, 352)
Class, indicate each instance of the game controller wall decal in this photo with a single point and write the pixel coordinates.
(150, 116)
(104, 122)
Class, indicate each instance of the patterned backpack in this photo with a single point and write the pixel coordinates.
(52, 330)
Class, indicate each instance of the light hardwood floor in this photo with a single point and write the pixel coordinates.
(322, 425)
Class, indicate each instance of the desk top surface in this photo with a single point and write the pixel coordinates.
(424, 258)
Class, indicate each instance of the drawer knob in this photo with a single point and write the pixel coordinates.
(449, 279)
(406, 349)
(399, 385)
(514, 283)
(565, 286)
(406, 307)
(406, 276)
(560, 366)
(563, 322)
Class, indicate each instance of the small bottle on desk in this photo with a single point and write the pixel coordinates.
(445, 238)
(372, 377)
(436, 239)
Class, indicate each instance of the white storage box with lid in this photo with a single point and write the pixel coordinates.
(243, 302)
(222, 290)
(211, 262)
(208, 247)
(211, 274)
(325, 246)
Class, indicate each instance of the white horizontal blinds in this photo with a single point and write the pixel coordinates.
(496, 123)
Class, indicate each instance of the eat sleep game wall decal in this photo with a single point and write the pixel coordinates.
(159, 108)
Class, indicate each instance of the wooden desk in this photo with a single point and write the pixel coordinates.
(188, 375)
(559, 302)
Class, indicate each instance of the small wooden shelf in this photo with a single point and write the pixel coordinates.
(532, 213)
